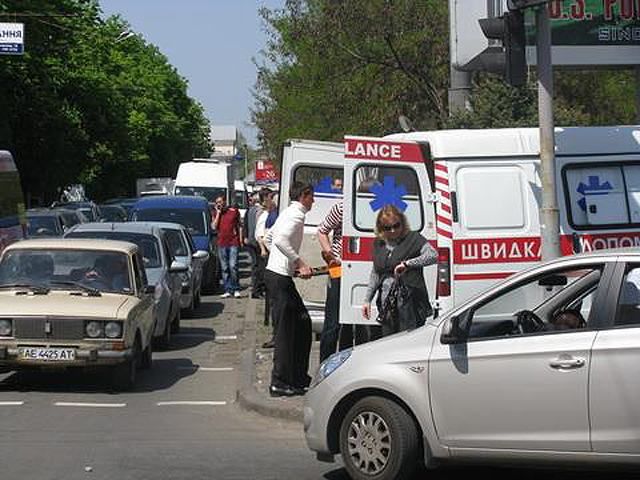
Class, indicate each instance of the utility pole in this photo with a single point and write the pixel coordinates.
(549, 215)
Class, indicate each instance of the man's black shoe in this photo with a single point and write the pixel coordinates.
(269, 344)
(283, 391)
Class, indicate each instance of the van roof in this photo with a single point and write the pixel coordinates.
(172, 201)
(570, 141)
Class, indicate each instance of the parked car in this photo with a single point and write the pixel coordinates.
(44, 222)
(88, 208)
(75, 303)
(71, 217)
(498, 378)
(125, 202)
(160, 267)
(183, 249)
(194, 214)
(112, 213)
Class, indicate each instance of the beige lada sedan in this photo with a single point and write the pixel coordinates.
(76, 303)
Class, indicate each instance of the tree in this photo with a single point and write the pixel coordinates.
(84, 108)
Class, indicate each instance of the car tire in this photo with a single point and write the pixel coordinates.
(197, 301)
(124, 374)
(165, 338)
(146, 360)
(379, 441)
(175, 324)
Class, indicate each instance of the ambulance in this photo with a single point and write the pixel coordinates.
(476, 195)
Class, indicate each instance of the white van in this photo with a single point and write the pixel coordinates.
(476, 194)
(321, 164)
(206, 178)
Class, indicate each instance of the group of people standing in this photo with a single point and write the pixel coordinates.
(399, 256)
(396, 280)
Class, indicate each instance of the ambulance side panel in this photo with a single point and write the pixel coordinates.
(496, 229)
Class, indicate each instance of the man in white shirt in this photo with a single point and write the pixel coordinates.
(290, 317)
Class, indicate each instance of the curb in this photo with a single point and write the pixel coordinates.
(247, 396)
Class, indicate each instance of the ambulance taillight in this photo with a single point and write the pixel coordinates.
(444, 273)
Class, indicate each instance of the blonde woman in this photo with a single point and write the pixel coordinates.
(399, 253)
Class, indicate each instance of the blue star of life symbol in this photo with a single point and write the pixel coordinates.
(594, 187)
(388, 193)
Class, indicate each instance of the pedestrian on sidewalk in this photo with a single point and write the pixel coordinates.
(293, 335)
(333, 333)
(399, 254)
(229, 240)
(250, 244)
(266, 203)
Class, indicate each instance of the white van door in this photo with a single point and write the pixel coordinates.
(321, 165)
(377, 173)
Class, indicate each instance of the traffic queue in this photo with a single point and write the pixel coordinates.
(101, 286)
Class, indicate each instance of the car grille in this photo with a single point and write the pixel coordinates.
(60, 328)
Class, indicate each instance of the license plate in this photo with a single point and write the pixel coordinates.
(47, 354)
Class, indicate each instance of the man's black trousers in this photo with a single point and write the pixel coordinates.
(293, 333)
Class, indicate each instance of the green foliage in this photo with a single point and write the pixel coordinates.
(333, 67)
(85, 107)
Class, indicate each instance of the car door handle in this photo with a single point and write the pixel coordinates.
(567, 363)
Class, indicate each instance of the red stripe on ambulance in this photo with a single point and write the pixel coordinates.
(496, 250)
(365, 149)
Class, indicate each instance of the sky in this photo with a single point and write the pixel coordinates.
(211, 43)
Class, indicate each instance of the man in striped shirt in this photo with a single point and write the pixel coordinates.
(332, 255)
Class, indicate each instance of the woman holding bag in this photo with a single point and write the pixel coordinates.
(399, 255)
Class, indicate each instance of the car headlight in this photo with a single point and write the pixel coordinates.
(113, 329)
(6, 327)
(94, 329)
(330, 365)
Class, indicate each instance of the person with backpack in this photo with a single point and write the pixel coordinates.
(399, 256)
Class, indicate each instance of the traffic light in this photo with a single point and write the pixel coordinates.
(509, 58)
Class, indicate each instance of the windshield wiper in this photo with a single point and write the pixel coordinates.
(93, 292)
(36, 289)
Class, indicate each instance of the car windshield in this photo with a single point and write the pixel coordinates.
(42, 226)
(94, 269)
(176, 242)
(210, 193)
(112, 214)
(147, 244)
(192, 219)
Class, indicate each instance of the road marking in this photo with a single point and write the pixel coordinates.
(207, 369)
(94, 405)
(226, 337)
(11, 404)
(195, 335)
(163, 404)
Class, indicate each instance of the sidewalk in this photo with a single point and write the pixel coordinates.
(255, 369)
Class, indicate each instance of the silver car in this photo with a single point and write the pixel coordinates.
(161, 268)
(183, 249)
(542, 368)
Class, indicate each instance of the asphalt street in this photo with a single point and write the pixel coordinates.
(180, 422)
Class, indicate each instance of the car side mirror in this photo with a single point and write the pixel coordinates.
(457, 329)
(178, 267)
(201, 255)
(149, 289)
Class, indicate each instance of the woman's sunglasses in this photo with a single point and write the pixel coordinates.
(388, 228)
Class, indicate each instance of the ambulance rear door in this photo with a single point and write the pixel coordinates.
(377, 173)
(320, 164)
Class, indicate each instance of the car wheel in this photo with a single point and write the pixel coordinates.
(197, 301)
(175, 324)
(165, 339)
(147, 357)
(124, 374)
(379, 441)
